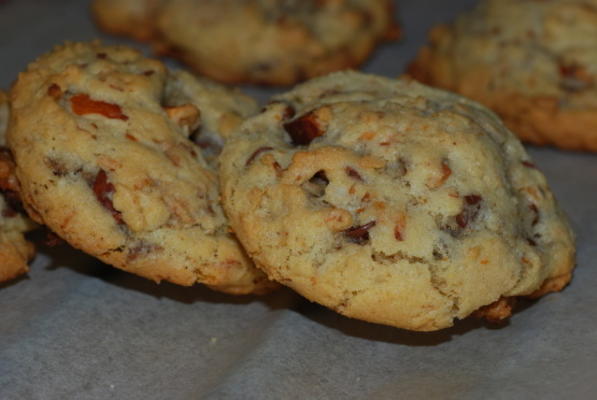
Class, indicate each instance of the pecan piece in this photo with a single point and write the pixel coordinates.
(446, 171)
(353, 174)
(304, 129)
(103, 190)
(359, 234)
(54, 91)
(472, 206)
(82, 104)
(289, 112)
(400, 227)
(528, 164)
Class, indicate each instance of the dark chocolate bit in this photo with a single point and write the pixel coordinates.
(102, 55)
(303, 129)
(531, 242)
(353, 173)
(257, 153)
(103, 190)
(360, 234)
(470, 210)
(149, 72)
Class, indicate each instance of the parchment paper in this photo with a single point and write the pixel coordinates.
(77, 329)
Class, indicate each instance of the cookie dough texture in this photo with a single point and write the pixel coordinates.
(15, 251)
(261, 41)
(100, 136)
(533, 62)
(394, 203)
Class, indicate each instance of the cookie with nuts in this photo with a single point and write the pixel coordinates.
(532, 62)
(15, 250)
(134, 18)
(102, 142)
(395, 203)
(275, 42)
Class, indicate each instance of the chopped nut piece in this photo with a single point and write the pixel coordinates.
(360, 234)
(353, 174)
(304, 129)
(103, 190)
(82, 104)
(185, 116)
(54, 91)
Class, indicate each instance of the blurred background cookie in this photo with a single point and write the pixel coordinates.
(276, 42)
(394, 203)
(15, 251)
(100, 136)
(533, 62)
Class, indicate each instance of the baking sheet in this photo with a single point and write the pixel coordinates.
(77, 329)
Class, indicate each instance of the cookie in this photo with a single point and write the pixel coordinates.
(101, 139)
(134, 18)
(392, 202)
(274, 42)
(15, 251)
(532, 62)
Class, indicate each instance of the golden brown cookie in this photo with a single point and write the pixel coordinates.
(275, 42)
(134, 18)
(100, 136)
(533, 62)
(15, 251)
(394, 203)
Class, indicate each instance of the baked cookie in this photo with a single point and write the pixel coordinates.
(134, 18)
(275, 42)
(394, 203)
(100, 136)
(15, 251)
(533, 62)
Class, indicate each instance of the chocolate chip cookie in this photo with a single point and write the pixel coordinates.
(15, 251)
(102, 142)
(394, 203)
(533, 62)
(275, 42)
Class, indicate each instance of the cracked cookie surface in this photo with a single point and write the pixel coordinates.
(101, 139)
(259, 41)
(15, 250)
(533, 62)
(394, 203)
